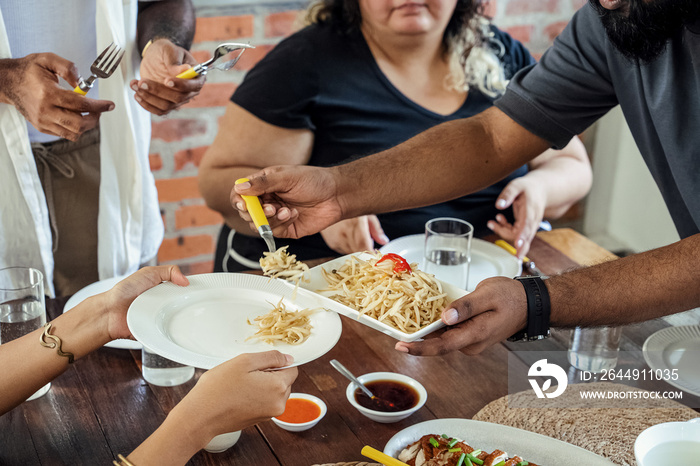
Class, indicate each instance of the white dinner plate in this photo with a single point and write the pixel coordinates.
(314, 281)
(488, 437)
(206, 323)
(676, 348)
(488, 260)
(92, 290)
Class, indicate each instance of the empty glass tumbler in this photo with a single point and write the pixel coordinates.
(594, 349)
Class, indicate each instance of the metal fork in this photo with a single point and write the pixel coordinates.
(103, 67)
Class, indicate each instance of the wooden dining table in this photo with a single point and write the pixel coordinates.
(101, 406)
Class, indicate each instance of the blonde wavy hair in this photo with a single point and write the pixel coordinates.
(473, 50)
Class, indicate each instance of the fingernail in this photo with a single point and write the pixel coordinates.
(490, 225)
(144, 86)
(385, 238)
(111, 107)
(170, 83)
(501, 203)
(401, 348)
(134, 87)
(289, 358)
(244, 185)
(268, 211)
(138, 99)
(283, 213)
(451, 316)
(519, 243)
(239, 205)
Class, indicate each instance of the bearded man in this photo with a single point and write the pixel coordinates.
(641, 54)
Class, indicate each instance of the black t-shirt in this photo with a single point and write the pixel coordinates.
(330, 84)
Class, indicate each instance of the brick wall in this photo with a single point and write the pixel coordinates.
(180, 139)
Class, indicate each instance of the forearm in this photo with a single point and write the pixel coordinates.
(445, 162)
(27, 366)
(170, 19)
(632, 289)
(159, 447)
(215, 185)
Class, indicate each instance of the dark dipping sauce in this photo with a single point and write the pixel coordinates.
(389, 396)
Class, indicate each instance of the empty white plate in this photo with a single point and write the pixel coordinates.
(676, 348)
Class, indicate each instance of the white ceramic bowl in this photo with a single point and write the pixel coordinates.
(298, 427)
(223, 442)
(379, 416)
(664, 433)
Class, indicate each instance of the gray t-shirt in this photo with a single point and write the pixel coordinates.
(582, 76)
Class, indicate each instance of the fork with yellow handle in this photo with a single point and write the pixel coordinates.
(259, 219)
(221, 50)
(103, 67)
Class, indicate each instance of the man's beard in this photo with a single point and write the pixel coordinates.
(642, 33)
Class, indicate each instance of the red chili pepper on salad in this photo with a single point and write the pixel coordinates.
(400, 264)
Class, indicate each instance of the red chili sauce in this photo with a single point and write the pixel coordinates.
(299, 411)
(389, 396)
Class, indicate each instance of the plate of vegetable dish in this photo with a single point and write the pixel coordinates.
(446, 441)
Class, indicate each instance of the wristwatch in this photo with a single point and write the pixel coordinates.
(538, 309)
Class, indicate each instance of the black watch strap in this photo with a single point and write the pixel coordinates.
(538, 310)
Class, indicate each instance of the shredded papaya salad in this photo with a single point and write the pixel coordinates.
(389, 289)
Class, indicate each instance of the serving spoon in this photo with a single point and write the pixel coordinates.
(349, 375)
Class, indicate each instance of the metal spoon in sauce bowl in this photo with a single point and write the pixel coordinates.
(349, 375)
(343, 370)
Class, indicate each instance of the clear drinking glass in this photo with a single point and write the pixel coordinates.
(448, 243)
(22, 307)
(594, 349)
(161, 371)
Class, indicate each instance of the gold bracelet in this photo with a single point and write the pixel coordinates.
(55, 343)
(122, 461)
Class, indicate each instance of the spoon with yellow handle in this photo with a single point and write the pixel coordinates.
(259, 219)
(376, 455)
(221, 50)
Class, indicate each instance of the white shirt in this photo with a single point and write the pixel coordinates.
(130, 228)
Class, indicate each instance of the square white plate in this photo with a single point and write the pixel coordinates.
(314, 281)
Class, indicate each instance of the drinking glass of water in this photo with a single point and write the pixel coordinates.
(161, 371)
(448, 243)
(594, 349)
(22, 308)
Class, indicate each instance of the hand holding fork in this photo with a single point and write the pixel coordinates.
(31, 85)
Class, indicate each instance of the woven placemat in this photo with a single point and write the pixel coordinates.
(609, 432)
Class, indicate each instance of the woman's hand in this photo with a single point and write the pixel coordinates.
(158, 90)
(233, 395)
(238, 393)
(355, 234)
(529, 202)
(120, 297)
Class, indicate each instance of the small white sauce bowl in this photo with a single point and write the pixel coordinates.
(298, 427)
(380, 416)
(223, 442)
